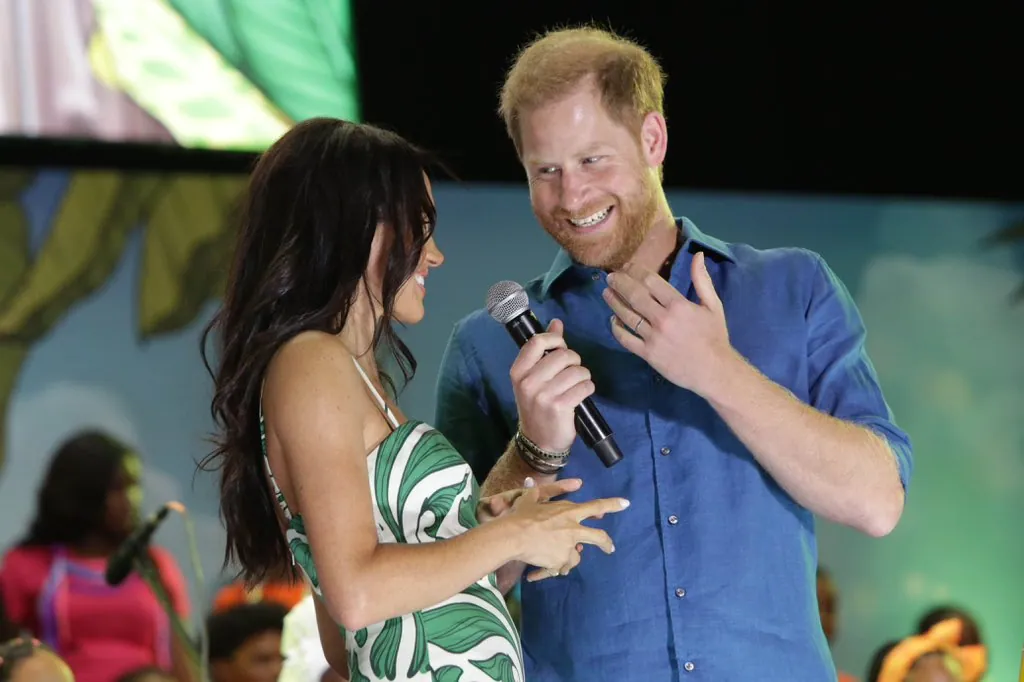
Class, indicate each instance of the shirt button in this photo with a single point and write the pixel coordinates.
(596, 276)
(666, 451)
(658, 379)
(689, 666)
(680, 592)
(673, 520)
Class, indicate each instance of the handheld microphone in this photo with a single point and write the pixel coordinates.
(508, 304)
(120, 564)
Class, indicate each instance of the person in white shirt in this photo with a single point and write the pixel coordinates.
(304, 659)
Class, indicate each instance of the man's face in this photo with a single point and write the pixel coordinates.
(257, 660)
(594, 185)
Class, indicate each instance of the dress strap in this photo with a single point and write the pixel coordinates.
(376, 394)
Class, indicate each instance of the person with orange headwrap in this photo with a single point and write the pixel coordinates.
(283, 593)
(935, 656)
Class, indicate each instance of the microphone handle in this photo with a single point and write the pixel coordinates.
(590, 424)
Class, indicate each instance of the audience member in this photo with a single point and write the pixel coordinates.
(828, 609)
(971, 632)
(53, 583)
(29, 660)
(245, 643)
(936, 655)
(304, 659)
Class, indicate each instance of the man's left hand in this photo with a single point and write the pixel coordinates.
(683, 341)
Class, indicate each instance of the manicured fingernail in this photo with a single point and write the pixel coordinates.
(528, 483)
(624, 503)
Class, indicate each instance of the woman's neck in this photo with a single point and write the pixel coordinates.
(357, 334)
(95, 546)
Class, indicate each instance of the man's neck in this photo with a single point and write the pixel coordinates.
(661, 244)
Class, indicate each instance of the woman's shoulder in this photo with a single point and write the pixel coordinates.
(29, 555)
(27, 562)
(310, 369)
(308, 356)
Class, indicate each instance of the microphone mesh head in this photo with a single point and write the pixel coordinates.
(506, 300)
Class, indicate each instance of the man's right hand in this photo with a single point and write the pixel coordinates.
(548, 388)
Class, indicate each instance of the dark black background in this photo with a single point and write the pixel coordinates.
(864, 99)
(902, 98)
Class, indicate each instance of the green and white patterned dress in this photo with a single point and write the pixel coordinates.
(422, 491)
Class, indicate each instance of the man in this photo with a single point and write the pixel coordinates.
(245, 642)
(735, 380)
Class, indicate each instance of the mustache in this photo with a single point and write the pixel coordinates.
(583, 213)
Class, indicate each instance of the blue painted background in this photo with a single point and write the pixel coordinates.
(942, 333)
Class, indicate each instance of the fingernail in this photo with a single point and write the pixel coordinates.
(528, 483)
(624, 503)
(613, 549)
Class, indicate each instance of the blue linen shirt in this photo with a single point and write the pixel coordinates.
(713, 577)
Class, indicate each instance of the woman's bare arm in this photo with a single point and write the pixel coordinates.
(317, 411)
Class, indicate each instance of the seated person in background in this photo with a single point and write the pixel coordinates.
(147, 674)
(828, 609)
(971, 634)
(29, 660)
(304, 659)
(245, 643)
(53, 585)
(934, 656)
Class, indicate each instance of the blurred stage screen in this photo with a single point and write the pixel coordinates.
(201, 74)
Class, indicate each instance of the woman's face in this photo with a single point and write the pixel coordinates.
(409, 302)
(124, 498)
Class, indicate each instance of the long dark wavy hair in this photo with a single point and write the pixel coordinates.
(72, 500)
(308, 218)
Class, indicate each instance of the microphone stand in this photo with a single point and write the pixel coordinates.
(143, 563)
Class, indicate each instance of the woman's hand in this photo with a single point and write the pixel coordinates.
(495, 506)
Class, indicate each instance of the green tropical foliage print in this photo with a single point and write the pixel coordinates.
(423, 491)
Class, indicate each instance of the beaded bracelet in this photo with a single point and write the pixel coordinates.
(540, 460)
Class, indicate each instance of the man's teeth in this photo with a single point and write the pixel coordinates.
(591, 220)
(420, 280)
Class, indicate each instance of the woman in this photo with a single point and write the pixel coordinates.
(52, 583)
(318, 465)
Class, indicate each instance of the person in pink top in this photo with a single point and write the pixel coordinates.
(52, 583)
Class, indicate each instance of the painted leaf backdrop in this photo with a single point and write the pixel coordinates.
(14, 263)
(1012, 235)
(188, 241)
(154, 56)
(298, 52)
(85, 243)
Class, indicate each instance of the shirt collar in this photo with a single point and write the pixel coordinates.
(691, 236)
